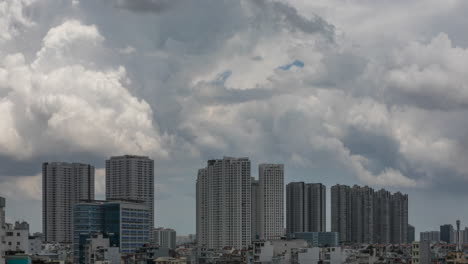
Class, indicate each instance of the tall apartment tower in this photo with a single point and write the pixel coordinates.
(399, 218)
(224, 204)
(255, 209)
(382, 216)
(270, 206)
(446, 233)
(361, 215)
(315, 207)
(341, 212)
(305, 207)
(295, 207)
(411, 234)
(63, 186)
(131, 177)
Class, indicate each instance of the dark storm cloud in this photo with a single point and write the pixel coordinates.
(156, 6)
(296, 21)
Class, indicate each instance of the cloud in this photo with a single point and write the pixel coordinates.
(12, 18)
(22, 188)
(64, 101)
(431, 74)
(146, 5)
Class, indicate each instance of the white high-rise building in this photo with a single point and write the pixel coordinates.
(63, 185)
(224, 204)
(165, 237)
(271, 201)
(131, 178)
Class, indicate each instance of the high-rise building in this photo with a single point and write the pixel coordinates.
(447, 233)
(411, 234)
(63, 185)
(431, 236)
(270, 204)
(399, 218)
(382, 216)
(315, 207)
(202, 208)
(341, 212)
(254, 209)
(295, 207)
(165, 237)
(305, 207)
(125, 223)
(131, 178)
(361, 215)
(224, 204)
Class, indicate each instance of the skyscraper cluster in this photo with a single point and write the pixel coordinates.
(233, 208)
(361, 215)
(129, 178)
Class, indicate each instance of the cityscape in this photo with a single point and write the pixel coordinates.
(233, 131)
(239, 219)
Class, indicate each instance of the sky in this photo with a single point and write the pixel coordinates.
(368, 92)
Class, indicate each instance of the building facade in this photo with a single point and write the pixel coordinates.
(431, 236)
(254, 209)
(341, 212)
(447, 233)
(131, 177)
(305, 207)
(63, 185)
(270, 205)
(361, 215)
(411, 234)
(224, 204)
(17, 237)
(318, 239)
(165, 237)
(125, 223)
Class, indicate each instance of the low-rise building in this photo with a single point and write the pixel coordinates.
(17, 237)
(97, 249)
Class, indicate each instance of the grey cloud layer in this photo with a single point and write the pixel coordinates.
(184, 81)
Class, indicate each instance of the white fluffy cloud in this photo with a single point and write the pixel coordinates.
(64, 101)
(12, 18)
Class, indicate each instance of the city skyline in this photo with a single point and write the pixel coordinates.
(340, 92)
(328, 194)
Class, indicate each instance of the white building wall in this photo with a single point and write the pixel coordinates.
(16, 240)
(309, 255)
(225, 189)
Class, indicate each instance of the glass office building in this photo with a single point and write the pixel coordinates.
(125, 223)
